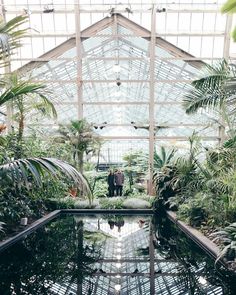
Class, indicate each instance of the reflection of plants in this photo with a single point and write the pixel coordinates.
(192, 263)
(31, 266)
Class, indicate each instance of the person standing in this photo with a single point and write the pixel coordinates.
(119, 182)
(111, 183)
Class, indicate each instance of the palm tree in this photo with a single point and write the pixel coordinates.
(82, 139)
(27, 171)
(27, 97)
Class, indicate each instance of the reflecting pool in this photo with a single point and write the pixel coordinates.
(110, 254)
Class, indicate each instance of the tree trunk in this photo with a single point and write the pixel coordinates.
(21, 127)
(81, 162)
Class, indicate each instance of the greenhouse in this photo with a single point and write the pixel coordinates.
(117, 147)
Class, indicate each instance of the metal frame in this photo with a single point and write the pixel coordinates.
(153, 37)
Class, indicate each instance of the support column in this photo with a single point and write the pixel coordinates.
(79, 60)
(152, 99)
(227, 37)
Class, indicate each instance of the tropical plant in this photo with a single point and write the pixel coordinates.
(10, 36)
(27, 98)
(164, 158)
(210, 91)
(227, 238)
(230, 7)
(135, 165)
(214, 92)
(82, 138)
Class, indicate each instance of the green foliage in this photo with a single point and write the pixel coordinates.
(135, 167)
(11, 36)
(209, 91)
(83, 140)
(111, 203)
(230, 7)
(194, 211)
(59, 203)
(164, 158)
(100, 189)
(227, 238)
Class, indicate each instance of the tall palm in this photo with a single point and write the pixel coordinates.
(27, 97)
(82, 139)
(27, 171)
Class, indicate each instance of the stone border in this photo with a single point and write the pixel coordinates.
(205, 243)
(6, 243)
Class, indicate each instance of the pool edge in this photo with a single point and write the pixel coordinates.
(198, 237)
(41, 221)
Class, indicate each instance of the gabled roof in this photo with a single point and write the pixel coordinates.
(120, 109)
(101, 25)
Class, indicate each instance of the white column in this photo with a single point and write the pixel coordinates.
(152, 46)
(79, 60)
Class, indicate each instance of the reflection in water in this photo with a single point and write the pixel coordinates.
(109, 255)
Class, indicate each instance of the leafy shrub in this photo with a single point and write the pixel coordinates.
(85, 204)
(193, 211)
(60, 203)
(111, 203)
(227, 238)
(134, 203)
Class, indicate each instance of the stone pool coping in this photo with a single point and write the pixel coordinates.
(194, 234)
(199, 238)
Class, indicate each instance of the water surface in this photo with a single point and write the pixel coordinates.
(108, 254)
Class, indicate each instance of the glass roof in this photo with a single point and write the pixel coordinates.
(116, 47)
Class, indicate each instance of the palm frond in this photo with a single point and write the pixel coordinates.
(210, 91)
(11, 35)
(229, 7)
(23, 171)
(196, 99)
(22, 88)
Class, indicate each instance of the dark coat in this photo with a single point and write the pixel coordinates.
(111, 180)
